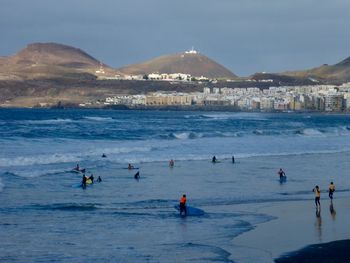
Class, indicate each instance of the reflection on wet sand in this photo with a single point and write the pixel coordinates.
(318, 223)
(332, 210)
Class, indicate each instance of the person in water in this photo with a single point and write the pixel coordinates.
(182, 205)
(77, 168)
(214, 160)
(99, 179)
(233, 159)
(91, 178)
(137, 176)
(171, 163)
(104, 156)
(83, 182)
(281, 173)
(317, 192)
(331, 189)
(130, 167)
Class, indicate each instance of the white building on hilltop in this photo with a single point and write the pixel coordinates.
(192, 51)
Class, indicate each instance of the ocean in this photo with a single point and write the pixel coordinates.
(46, 216)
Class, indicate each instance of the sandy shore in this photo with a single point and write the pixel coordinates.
(296, 226)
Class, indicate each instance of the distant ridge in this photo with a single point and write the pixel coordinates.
(338, 72)
(191, 62)
(46, 60)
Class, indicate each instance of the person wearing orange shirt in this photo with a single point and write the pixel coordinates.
(183, 205)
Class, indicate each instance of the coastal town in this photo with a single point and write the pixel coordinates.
(327, 98)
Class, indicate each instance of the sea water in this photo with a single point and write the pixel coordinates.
(45, 215)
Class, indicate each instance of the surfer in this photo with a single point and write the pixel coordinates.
(214, 160)
(317, 192)
(83, 182)
(77, 168)
(331, 190)
(137, 176)
(281, 173)
(233, 159)
(183, 205)
(99, 179)
(171, 163)
(91, 178)
(130, 167)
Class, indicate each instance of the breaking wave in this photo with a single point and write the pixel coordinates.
(49, 121)
(186, 135)
(68, 157)
(93, 118)
(310, 132)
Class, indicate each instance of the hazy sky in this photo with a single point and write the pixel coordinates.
(246, 36)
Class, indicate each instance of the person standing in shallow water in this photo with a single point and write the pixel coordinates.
(317, 192)
(83, 182)
(182, 205)
(281, 173)
(331, 190)
(233, 159)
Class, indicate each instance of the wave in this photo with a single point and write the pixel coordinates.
(310, 132)
(66, 207)
(1, 186)
(76, 157)
(95, 118)
(35, 173)
(39, 159)
(186, 135)
(239, 116)
(197, 135)
(48, 121)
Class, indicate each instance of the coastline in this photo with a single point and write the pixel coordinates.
(296, 227)
(193, 108)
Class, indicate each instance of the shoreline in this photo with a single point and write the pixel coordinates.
(169, 108)
(172, 108)
(296, 232)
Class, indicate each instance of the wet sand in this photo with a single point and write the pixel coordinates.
(297, 225)
(332, 252)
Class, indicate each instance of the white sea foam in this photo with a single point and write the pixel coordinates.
(39, 159)
(240, 116)
(49, 121)
(311, 132)
(32, 173)
(95, 118)
(187, 135)
(54, 158)
(1, 186)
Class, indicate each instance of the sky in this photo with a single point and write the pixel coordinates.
(246, 36)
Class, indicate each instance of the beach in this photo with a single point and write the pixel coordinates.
(296, 225)
(46, 215)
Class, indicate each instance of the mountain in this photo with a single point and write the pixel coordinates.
(190, 62)
(339, 72)
(47, 60)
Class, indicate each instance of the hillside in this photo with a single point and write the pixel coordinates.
(339, 72)
(47, 60)
(191, 63)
